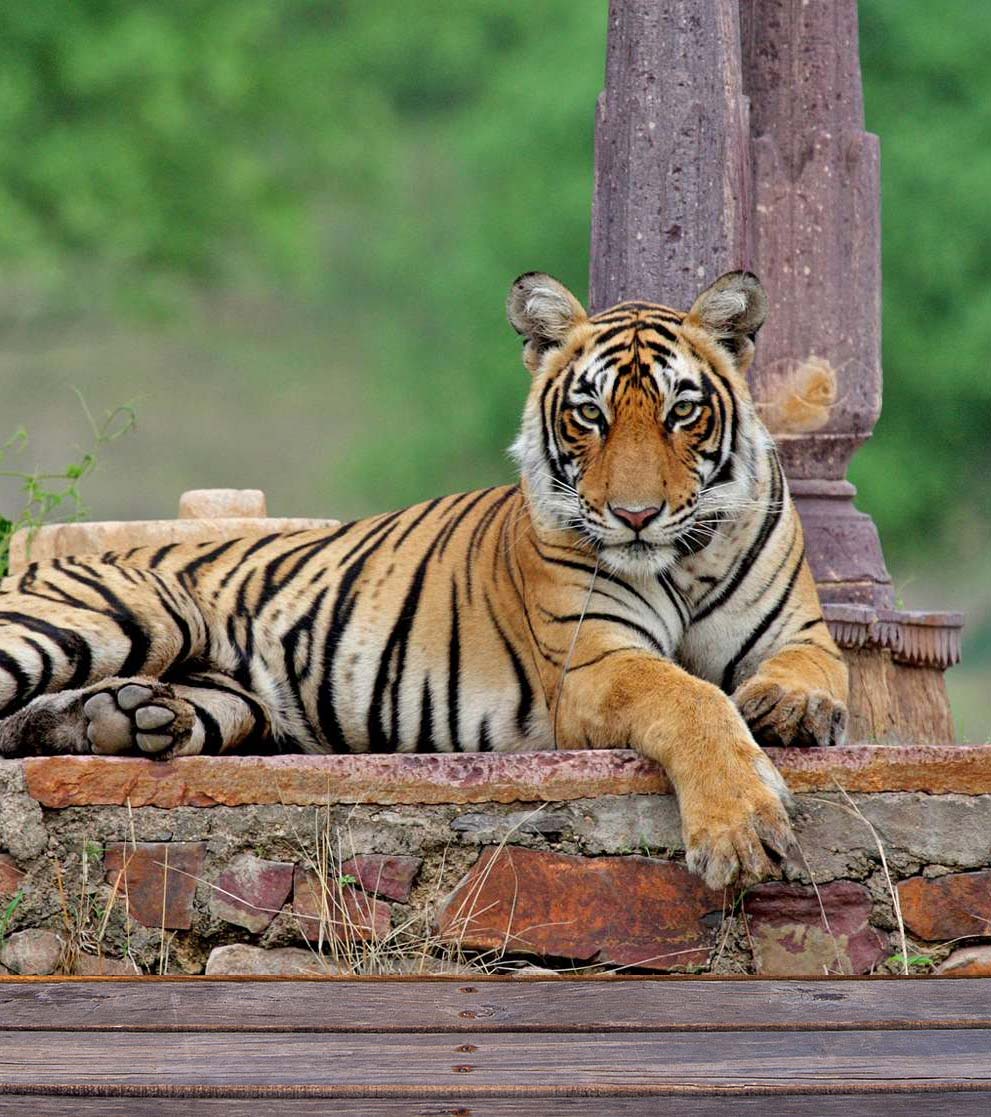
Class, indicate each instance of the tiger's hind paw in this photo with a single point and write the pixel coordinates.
(778, 715)
(144, 716)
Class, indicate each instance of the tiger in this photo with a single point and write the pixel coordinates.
(643, 585)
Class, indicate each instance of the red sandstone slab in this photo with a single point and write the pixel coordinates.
(624, 911)
(157, 879)
(953, 907)
(206, 781)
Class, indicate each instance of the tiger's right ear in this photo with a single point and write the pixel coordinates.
(544, 311)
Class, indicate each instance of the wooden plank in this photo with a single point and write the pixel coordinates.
(961, 1104)
(532, 1065)
(494, 1006)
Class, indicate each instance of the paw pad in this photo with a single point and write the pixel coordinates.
(134, 717)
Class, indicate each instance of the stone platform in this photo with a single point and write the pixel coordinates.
(570, 861)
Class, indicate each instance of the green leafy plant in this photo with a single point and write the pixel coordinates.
(7, 915)
(912, 960)
(56, 495)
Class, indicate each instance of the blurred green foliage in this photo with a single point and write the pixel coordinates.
(397, 167)
(925, 475)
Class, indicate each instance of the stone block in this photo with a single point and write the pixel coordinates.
(221, 504)
(424, 778)
(971, 961)
(284, 961)
(324, 909)
(951, 830)
(33, 952)
(158, 880)
(11, 876)
(250, 892)
(624, 911)
(389, 877)
(797, 933)
(92, 965)
(54, 541)
(947, 907)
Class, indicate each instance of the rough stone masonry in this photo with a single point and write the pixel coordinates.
(568, 861)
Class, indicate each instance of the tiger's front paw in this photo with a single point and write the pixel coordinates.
(742, 832)
(779, 715)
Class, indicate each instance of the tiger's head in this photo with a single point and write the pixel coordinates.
(639, 433)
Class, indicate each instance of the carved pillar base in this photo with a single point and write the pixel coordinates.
(896, 660)
(842, 544)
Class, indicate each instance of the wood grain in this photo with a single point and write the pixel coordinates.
(961, 1104)
(393, 1006)
(532, 1064)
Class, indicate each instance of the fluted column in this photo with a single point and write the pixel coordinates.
(817, 241)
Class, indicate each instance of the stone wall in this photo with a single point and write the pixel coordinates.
(425, 863)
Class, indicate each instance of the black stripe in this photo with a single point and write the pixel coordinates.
(256, 546)
(607, 335)
(211, 682)
(376, 530)
(290, 644)
(396, 647)
(758, 632)
(45, 675)
(21, 681)
(525, 704)
(344, 606)
(484, 740)
(185, 632)
(549, 443)
(122, 616)
(157, 558)
(452, 521)
(424, 512)
(73, 646)
(478, 534)
(425, 740)
(454, 673)
(273, 576)
(208, 556)
(213, 740)
(744, 567)
(574, 618)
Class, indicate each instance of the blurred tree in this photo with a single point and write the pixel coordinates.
(927, 96)
(397, 169)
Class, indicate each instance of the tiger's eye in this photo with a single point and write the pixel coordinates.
(590, 413)
(683, 408)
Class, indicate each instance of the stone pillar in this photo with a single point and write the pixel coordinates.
(816, 236)
(731, 135)
(671, 207)
(817, 240)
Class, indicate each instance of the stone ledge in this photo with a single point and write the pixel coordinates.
(55, 541)
(302, 780)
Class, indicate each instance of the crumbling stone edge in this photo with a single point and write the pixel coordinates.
(427, 864)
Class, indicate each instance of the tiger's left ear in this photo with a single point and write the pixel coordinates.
(733, 309)
(544, 311)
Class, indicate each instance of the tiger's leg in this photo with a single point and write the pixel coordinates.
(203, 713)
(68, 624)
(731, 797)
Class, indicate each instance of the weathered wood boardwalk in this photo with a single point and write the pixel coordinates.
(475, 1048)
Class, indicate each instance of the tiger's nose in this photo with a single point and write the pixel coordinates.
(636, 518)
